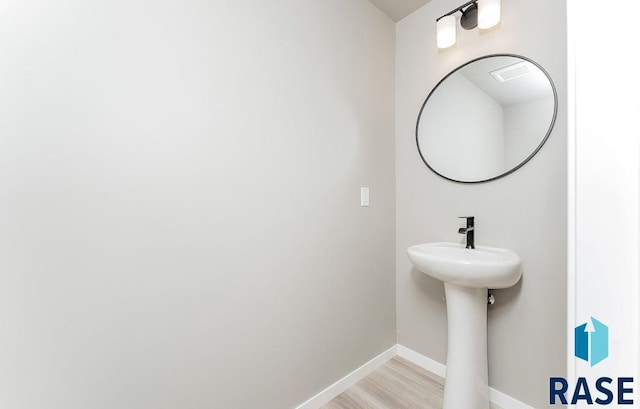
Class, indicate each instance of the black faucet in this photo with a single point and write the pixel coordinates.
(469, 230)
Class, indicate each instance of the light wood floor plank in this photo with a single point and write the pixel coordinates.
(398, 384)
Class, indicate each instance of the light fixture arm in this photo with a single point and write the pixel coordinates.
(459, 9)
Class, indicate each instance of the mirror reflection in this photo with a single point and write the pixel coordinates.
(486, 119)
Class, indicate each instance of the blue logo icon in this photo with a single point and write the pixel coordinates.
(592, 340)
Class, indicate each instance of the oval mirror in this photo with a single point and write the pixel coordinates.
(486, 118)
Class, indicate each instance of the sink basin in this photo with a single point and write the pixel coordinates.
(467, 274)
(484, 267)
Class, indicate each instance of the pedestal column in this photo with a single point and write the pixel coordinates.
(467, 380)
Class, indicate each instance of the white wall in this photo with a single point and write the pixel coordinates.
(444, 134)
(525, 211)
(604, 180)
(179, 201)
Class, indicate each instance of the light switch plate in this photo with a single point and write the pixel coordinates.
(364, 197)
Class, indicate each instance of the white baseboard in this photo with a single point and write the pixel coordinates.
(505, 401)
(422, 361)
(502, 400)
(348, 381)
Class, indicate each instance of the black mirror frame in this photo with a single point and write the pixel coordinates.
(528, 158)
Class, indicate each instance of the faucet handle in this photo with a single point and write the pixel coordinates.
(470, 220)
(469, 231)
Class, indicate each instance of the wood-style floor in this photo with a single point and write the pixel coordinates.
(398, 384)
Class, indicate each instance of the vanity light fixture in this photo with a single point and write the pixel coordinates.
(446, 31)
(475, 13)
(488, 13)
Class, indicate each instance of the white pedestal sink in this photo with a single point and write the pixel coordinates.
(467, 274)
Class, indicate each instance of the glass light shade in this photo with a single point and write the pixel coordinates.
(488, 13)
(446, 27)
